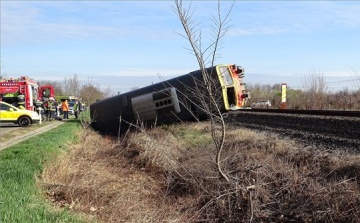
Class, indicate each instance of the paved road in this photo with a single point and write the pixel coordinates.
(8, 127)
(20, 138)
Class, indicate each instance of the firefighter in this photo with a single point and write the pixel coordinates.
(76, 109)
(39, 107)
(56, 109)
(81, 107)
(49, 109)
(21, 101)
(65, 109)
(46, 109)
(52, 108)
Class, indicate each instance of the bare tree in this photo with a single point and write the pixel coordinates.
(344, 98)
(205, 91)
(356, 79)
(315, 88)
(72, 85)
(91, 92)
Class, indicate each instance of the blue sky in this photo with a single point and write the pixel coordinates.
(123, 44)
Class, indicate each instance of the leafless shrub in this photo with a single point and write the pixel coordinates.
(315, 88)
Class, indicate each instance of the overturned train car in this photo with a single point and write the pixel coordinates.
(168, 101)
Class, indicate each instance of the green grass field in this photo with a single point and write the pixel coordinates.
(21, 200)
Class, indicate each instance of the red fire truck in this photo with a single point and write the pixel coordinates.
(23, 92)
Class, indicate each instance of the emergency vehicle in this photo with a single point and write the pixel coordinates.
(22, 117)
(23, 92)
(71, 101)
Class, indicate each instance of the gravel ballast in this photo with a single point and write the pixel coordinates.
(328, 132)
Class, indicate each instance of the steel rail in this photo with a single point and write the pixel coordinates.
(305, 112)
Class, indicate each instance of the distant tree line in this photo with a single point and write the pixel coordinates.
(314, 94)
(88, 91)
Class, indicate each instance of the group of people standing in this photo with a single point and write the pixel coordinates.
(53, 109)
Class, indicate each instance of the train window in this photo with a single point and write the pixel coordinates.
(226, 76)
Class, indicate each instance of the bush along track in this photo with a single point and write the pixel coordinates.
(20, 165)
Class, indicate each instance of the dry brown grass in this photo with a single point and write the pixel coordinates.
(169, 174)
(101, 180)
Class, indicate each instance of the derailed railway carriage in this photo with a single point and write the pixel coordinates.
(168, 101)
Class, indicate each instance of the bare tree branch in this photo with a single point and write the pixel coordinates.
(205, 91)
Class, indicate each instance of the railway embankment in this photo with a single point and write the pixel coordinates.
(320, 131)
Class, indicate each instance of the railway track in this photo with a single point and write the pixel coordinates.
(331, 130)
(307, 112)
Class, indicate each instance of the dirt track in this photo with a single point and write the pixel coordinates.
(19, 138)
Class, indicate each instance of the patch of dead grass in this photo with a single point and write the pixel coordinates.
(97, 178)
(154, 176)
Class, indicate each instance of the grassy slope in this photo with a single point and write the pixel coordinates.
(20, 199)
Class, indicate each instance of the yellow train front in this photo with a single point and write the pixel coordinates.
(177, 99)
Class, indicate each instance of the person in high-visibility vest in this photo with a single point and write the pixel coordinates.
(49, 109)
(65, 108)
(76, 109)
(39, 107)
